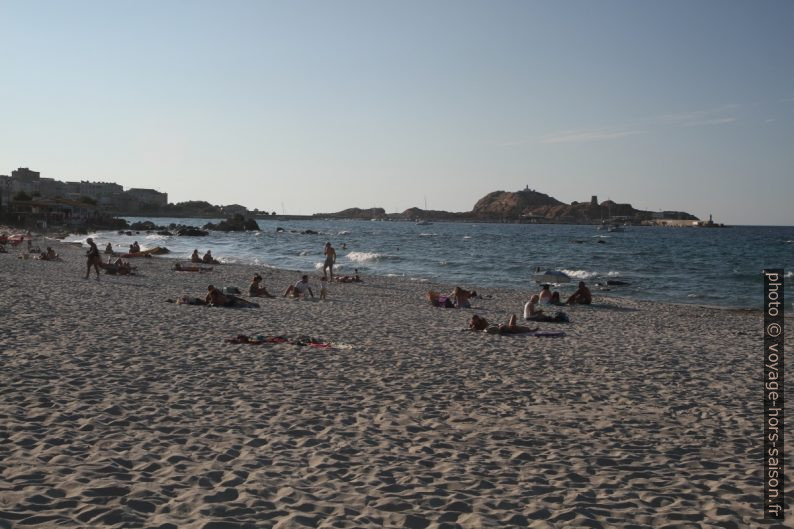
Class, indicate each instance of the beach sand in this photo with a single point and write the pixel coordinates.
(118, 409)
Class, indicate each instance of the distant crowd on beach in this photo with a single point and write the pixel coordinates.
(535, 309)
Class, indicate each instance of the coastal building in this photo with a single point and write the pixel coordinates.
(147, 198)
(106, 195)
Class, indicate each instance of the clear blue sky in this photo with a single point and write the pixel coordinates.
(326, 105)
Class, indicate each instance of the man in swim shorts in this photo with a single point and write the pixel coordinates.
(330, 259)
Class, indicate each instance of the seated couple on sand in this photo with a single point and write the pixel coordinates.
(49, 255)
(207, 259)
(458, 299)
(478, 323)
(582, 296)
(533, 313)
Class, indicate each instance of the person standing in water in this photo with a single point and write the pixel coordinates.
(92, 258)
(330, 259)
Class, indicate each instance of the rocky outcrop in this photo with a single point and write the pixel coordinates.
(506, 204)
(235, 223)
(355, 213)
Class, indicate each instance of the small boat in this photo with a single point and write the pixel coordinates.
(550, 276)
(615, 228)
(423, 223)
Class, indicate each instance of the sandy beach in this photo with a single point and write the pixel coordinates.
(119, 409)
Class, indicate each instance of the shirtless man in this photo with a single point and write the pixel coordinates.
(330, 259)
(582, 296)
(92, 258)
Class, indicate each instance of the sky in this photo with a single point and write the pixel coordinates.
(317, 106)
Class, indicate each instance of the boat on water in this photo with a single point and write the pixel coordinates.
(423, 223)
(615, 228)
(550, 276)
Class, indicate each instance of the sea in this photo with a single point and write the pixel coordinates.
(707, 266)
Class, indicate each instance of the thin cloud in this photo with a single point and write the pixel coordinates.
(715, 121)
(581, 136)
(770, 120)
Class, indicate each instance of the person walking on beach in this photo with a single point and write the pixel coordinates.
(330, 259)
(92, 258)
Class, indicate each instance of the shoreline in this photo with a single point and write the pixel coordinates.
(122, 409)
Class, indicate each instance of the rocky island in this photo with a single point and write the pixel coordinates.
(527, 206)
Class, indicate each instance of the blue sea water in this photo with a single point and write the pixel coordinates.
(720, 267)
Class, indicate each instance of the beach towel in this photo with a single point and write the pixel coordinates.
(301, 341)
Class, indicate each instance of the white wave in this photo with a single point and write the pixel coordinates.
(155, 237)
(427, 235)
(304, 253)
(467, 236)
(579, 274)
(419, 279)
(343, 232)
(613, 273)
(362, 257)
(318, 266)
(789, 274)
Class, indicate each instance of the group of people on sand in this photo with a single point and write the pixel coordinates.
(533, 313)
(207, 259)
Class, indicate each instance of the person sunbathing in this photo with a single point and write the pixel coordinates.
(533, 313)
(582, 296)
(478, 323)
(439, 300)
(178, 267)
(216, 298)
(195, 258)
(349, 279)
(257, 291)
(51, 255)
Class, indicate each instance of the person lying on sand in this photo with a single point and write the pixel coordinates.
(298, 289)
(478, 323)
(257, 290)
(182, 268)
(349, 279)
(195, 257)
(582, 296)
(216, 298)
(533, 313)
(439, 300)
